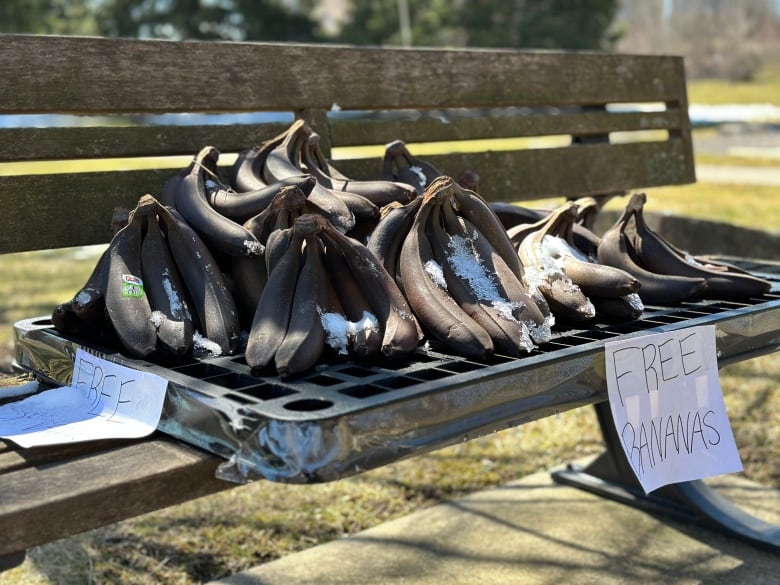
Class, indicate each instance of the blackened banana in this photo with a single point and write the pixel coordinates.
(388, 236)
(521, 221)
(277, 244)
(616, 250)
(277, 214)
(167, 294)
(426, 290)
(94, 327)
(473, 207)
(587, 211)
(590, 276)
(240, 206)
(274, 309)
(246, 174)
(625, 308)
(595, 279)
(304, 340)
(399, 325)
(379, 192)
(402, 166)
(284, 160)
(655, 253)
(127, 302)
(511, 214)
(541, 270)
(363, 211)
(532, 310)
(213, 307)
(363, 336)
(474, 289)
(191, 200)
(249, 276)
(89, 302)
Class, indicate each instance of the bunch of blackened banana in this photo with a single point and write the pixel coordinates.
(575, 286)
(248, 275)
(157, 288)
(325, 290)
(668, 275)
(350, 205)
(459, 272)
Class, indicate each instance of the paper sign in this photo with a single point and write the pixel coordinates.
(104, 401)
(667, 403)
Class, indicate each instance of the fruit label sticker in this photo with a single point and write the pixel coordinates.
(132, 286)
(105, 400)
(667, 403)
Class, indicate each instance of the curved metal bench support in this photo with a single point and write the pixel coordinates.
(610, 476)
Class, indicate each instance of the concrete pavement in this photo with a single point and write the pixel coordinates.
(535, 532)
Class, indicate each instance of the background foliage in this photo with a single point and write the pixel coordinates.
(520, 23)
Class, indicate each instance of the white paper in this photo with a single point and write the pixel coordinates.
(667, 403)
(104, 401)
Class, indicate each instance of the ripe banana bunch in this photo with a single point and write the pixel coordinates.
(519, 220)
(669, 275)
(325, 290)
(348, 204)
(401, 165)
(575, 286)
(157, 288)
(190, 191)
(379, 192)
(460, 273)
(248, 275)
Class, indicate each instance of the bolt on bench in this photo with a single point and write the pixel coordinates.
(143, 102)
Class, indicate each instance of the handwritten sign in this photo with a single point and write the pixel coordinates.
(667, 403)
(104, 401)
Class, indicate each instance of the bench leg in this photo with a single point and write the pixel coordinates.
(610, 476)
(12, 560)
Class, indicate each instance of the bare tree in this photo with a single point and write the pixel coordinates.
(718, 38)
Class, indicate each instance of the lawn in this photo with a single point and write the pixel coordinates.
(764, 89)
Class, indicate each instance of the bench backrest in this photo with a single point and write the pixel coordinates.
(560, 123)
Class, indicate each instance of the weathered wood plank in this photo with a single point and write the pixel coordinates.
(13, 458)
(68, 210)
(510, 175)
(97, 75)
(45, 502)
(23, 144)
(587, 169)
(500, 125)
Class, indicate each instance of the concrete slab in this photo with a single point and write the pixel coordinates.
(535, 532)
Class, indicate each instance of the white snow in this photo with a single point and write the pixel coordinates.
(205, 344)
(434, 270)
(340, 331)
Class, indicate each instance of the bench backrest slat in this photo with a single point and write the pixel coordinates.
(93, 75)
(571, 104)
(45, 144)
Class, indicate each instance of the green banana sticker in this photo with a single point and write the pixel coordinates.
(132, 286)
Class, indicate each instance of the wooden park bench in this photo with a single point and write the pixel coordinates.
(597, 124)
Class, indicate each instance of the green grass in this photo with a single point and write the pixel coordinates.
(744, 205)
(764, 89)
(33, 283)
(738, 161)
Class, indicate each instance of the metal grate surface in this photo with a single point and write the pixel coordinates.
(348, 414)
